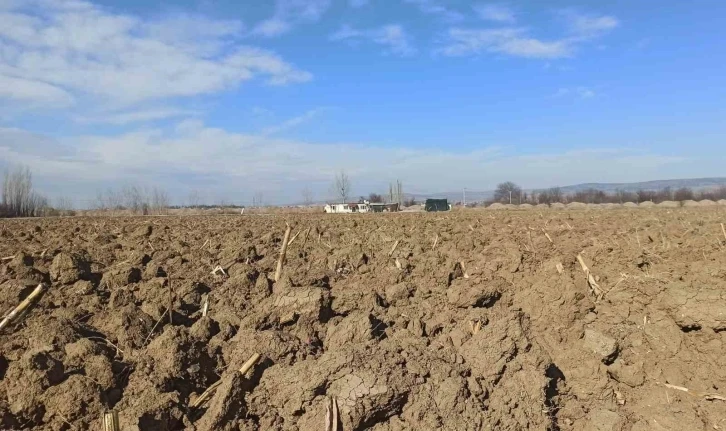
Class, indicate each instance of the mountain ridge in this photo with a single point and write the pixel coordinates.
(654, 185)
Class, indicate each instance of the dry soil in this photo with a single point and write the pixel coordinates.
(473, 321)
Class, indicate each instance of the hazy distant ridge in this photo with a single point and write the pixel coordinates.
(692, 183)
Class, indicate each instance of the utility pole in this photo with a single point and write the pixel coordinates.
(510, 197)
(464, 197)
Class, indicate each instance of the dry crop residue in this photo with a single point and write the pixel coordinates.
(476, 320)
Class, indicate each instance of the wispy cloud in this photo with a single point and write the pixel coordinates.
(33, 93)
(291, 123)
(580, 92)
(495, 12)
(588, 25)
(434, 7)
(76, 52)
(393, 37)
(137, 116)
(510, 41)
(272, 27)
(290, 13)
(518, 41)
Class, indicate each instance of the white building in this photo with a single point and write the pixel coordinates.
(348, 208)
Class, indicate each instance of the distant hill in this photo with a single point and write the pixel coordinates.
(695, 184)
(471, 196)
(692, 183)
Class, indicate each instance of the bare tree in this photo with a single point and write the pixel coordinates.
(100, 202)
(399, 193)
(409, 202)
(645, 195)
(395, 193)
(342, 186)
(135, 199)
(159, 201)
(194, 199)
(555, 194)
(307, 196)
(507, 192)
(664, 195)
(684, 194)
(375, 198)
(257, 199)
(39, 205)
(18, 197)
(140, 200)
(109, 200)
(64, 205)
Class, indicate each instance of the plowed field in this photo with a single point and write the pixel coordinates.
(470, 320)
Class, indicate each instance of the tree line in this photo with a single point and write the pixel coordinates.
(18, 197)
(139, 200)
(510, 193)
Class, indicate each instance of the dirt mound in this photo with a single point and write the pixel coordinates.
(630, 205)
(413, 208)
(67, 268)
(557, 205)
(525, 206)
(721, 202)
(646, 204)
(576, 206)
(497, 206)
(668, 204)
(707, 203)
(690, 203)
(410, 321)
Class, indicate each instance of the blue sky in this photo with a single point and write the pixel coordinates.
(236, 98)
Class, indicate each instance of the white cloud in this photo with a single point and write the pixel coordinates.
(33, 92)
(393, 37)
(236, 164)
(136, 116)
(581, 92)
(198, 34)
(346, 32)
(74, 49)
(433, 7)
(290, 13)
(495, 12)
(264, 62)
(589, 25)
(291, 123)
(585, 92)
(272, 27)
(511, 41)
(517, 41)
